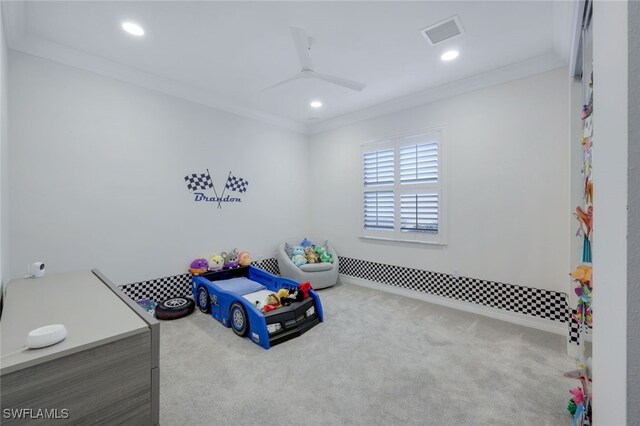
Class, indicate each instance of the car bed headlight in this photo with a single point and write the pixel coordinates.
(273, 328)
(311, 311)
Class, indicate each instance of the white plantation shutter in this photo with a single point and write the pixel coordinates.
(419, 213)
(378, 167)
(419, 163)
(402, 184)
(379, 210)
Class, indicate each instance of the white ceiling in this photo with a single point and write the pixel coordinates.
(223, 53)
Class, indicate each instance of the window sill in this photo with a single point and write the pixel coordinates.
(397, 240)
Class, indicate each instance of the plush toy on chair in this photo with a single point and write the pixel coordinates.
(324, 255)
(311, 255)
(321, 272)
(298, 257)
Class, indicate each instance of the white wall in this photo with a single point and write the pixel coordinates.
(633, 238)
(4, 160)
(97, 169)
(507, 165)
(610, 64)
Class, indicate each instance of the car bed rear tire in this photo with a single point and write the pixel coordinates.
(203, 300)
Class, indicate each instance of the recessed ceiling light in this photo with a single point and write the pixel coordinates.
(316, 104)
(132, 28)
(449, 55)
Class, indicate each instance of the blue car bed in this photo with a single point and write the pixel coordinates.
(230, 296)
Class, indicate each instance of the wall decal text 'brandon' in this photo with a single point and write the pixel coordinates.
(199, 196)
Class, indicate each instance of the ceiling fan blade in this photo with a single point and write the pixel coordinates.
(293, 77)
(349, 84)
(301, 40)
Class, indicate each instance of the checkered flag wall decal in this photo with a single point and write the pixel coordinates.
(236, 184)
(199, 181)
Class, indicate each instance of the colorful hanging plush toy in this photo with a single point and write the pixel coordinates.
(576, 401)
(588, 190)
(582, 274)
(298, 257)
(585, 218)
(578, 395)
(199, 266)
(583, 310)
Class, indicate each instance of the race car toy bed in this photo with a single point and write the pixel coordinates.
(230, 296)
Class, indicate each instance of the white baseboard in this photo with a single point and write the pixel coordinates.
(487, 311)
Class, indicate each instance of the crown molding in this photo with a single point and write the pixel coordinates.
(494, 77)
(19, 40)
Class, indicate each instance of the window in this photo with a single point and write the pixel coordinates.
(402, 188)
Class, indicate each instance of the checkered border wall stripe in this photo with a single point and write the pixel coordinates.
(159, 288)
(531, 301)
(270, 265)
(178, 285)
(574, 328)
(526, 300)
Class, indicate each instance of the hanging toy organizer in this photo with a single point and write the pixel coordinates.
(582, 277)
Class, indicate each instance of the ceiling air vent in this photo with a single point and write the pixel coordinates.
(444, 30)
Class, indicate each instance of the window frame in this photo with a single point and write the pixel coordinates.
(438, 134)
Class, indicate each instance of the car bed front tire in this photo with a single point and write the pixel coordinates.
(238, 319)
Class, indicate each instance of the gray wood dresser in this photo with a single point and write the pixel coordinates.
(105, 372)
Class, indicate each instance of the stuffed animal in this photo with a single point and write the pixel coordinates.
(304, 289)
(273, 299)
(244, 259)
(199, 266)
(297, 257)
(283, 295)
(311, 255)
(324, 255)
(582, 274)
(306, 243)
(287, 297)
(272, 302)
(216, 262)
(231, 259)
(283, 292)
(296, 295)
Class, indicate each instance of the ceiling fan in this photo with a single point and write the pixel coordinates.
(303, 45)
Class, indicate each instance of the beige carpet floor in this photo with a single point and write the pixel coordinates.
(378, 359)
